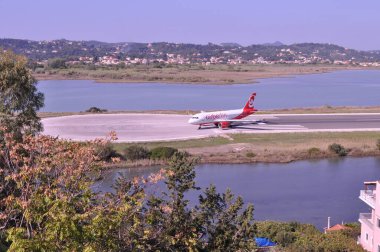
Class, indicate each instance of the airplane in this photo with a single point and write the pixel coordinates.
(227, 118)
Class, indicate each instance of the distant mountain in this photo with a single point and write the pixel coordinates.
(277, 43)
(230, 45)
(231, 53)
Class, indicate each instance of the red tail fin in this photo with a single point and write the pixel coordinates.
(249, 105)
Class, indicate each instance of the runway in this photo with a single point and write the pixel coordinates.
(167, 127)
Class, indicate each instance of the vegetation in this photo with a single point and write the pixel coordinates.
(273, 147)
(56, 63)
(47, 204)
(106, 152)
(19, 98)
(212, 74)
(250, 154)
(136, 152)
(95, 110)
(314, 152)
(272, 140)
(338, 149)
(162, 152)
(378, 144)
(294, 237)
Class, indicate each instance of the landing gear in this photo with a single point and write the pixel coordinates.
(199, 127)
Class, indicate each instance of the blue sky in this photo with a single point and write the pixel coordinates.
(350, 23)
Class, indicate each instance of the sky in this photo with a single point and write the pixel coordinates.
(349, 23)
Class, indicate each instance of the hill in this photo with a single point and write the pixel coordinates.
(163, 52)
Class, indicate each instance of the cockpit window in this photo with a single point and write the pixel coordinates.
(195, 117)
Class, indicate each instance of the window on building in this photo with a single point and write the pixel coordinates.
(378, 222)
(378, 248)
(366, 237)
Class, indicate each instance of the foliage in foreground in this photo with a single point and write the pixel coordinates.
(46, 204)
(19, 98)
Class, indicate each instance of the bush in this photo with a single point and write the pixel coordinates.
(338, 149)
(96, 110)
(378, 144)
(250, 154)
(284, 233)
(106, 152)
(162, 152)
(313, 151)
(135, 152)
(57, 63)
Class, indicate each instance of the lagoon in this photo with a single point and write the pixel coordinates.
(304, 191)
(341, 88)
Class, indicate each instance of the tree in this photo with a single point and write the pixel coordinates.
(46, 204)
(294, 236)
(218, 222)
(19, 98)
(57, 63)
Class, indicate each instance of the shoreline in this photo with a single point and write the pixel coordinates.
(273, 148)
(310, 110)
(148, 163)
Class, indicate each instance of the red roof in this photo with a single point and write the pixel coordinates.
(337, 227)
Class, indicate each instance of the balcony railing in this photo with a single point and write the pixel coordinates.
(369, 197)
(366, 218)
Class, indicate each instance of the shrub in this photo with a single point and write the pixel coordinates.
(106, 152)
(338, 149)
(57, 63)
(314, 151)
(162, 152)
(96, 110)
(250, 154)
(378, 144)
(135, 152)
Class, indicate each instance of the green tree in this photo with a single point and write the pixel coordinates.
(226, 225)
(218, 223)
(19, 98)
(294, 237)
(57, 63)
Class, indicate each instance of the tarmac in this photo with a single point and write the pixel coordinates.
(168, 127)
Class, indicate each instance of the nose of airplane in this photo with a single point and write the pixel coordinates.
(191, 120)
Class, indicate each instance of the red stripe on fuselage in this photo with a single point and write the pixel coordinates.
(245, 113)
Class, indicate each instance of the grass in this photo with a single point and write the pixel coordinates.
(195, 143)
(274, 141)
(278, 147)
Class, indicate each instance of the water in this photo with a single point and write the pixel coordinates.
(304, 191)
(342, 88)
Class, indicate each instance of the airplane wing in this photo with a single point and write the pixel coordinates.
(257, 119)
(237, 121)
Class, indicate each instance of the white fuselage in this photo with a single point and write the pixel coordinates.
(215, 117)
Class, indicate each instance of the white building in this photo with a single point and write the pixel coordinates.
(370, 222)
